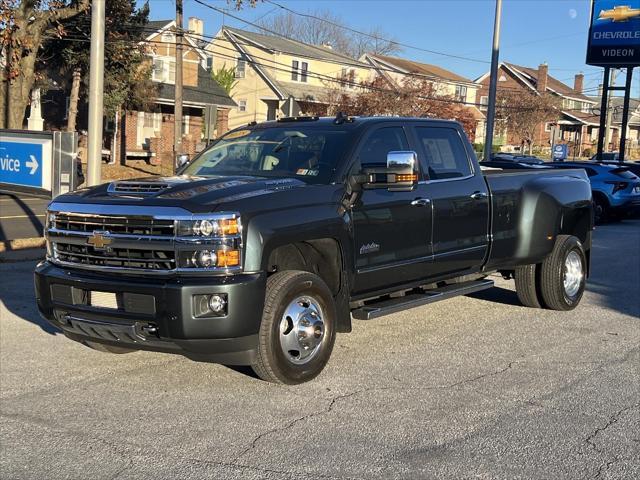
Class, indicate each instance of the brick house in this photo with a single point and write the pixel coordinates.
(576, 124)
(445, 82)
(150, 134)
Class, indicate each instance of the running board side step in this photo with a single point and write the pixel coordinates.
(412, 300)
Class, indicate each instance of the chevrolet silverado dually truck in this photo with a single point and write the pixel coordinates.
(274, 237)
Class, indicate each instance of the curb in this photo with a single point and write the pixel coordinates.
(22, 249)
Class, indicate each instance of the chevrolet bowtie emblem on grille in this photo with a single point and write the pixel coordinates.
(99, 241)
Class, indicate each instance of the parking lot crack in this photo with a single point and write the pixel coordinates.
(590, 440)
(480, 377)
(331, 405)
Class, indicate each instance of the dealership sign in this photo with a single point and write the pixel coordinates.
(614, 35)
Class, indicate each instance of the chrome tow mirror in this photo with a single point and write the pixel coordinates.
(400, 174)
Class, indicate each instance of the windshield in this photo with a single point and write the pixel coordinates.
(310, 154)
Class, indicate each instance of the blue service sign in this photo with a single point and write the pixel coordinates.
(614, 34)
(560, 152)
(23, 163)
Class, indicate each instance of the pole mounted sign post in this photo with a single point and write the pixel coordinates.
(614, 42)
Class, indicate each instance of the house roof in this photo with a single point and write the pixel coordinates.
(617, 103)
(293, 47)
(531, 75)
(410, 66)
(158, 24)
(208, 92)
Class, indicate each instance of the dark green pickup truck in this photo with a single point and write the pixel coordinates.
(271, 240)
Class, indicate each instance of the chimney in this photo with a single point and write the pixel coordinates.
(543, 77)
(196, 25)
(578, 83)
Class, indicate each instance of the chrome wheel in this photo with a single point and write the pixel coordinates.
(302, 330)
(573, 273)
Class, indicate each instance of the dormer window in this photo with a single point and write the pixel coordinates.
(299, 71)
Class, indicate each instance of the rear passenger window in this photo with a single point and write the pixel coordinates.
(380, 143)
(444, 153)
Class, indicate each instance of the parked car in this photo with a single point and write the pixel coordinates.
(510, 161)
(616, 190)
(634, 167)
(274, 237)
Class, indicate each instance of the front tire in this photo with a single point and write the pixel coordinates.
(563, 274)
(297, 332)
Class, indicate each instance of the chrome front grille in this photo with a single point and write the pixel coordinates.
(114, 224)
(114, 257)
(142, 239)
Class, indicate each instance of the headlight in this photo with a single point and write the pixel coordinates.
(213, 226)
(205, 258)
(209, 242)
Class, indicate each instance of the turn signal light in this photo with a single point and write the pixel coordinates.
(406, 177)
(228, 226)
(228, 258)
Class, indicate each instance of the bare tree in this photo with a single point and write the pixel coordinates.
(322, 27)
(523, 113)
(414, 97)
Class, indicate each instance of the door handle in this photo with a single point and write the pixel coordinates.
(420, 202)
(478, 195)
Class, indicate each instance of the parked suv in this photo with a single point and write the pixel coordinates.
(616, 190)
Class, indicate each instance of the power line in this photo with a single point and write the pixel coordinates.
(369, 35)
(322, 77)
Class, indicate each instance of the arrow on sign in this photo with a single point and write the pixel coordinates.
(32, 163)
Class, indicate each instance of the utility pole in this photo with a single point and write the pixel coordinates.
(493, 84)
(612, 83)
(96, 88)
(177, 142)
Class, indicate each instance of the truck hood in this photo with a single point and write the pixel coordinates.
(193, 193)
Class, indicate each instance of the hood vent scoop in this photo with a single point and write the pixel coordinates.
(136, 188)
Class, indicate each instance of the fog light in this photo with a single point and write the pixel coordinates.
(217, 303)
(208, 306)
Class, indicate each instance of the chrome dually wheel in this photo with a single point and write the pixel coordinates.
(573, 273)
(302, 330)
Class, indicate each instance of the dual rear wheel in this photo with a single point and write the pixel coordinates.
(558, 282)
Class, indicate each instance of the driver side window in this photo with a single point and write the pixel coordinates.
(377, 145)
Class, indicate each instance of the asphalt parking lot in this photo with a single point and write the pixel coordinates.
(472, 387)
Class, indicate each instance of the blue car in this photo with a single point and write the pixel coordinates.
(616, 190)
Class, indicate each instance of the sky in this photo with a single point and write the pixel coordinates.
(533, 31)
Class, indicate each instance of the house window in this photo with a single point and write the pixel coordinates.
(299, 71)
(164, 70)
(484, 102)
(547, 127)
(242, 105)
(210, 64)
(168, 37)
(241, 66)
(185, 124)
(348, 78)
(461, 93)
(152, 120)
